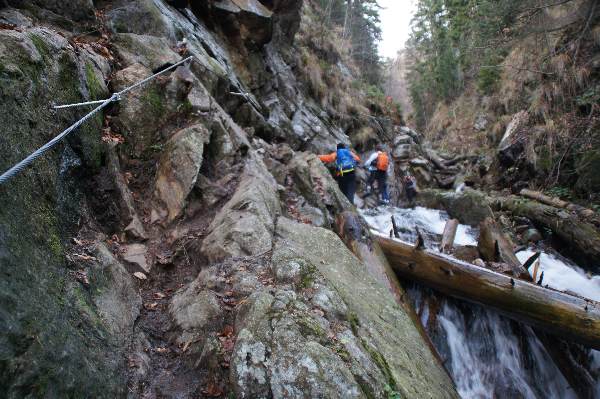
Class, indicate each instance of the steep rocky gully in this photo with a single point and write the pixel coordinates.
(180, 244)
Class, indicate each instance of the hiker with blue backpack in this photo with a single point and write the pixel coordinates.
(346, 162)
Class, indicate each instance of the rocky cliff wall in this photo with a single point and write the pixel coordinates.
(178, 245)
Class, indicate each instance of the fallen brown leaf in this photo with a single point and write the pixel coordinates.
(212, 390)
(140, 275)
(82, 277)
(84, 257)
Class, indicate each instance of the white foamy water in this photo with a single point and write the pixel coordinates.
(563, 275)
(429, 220)
(488, 355)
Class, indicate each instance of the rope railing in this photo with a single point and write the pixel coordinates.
(19, 167)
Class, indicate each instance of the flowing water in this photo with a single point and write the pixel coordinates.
(488, 355)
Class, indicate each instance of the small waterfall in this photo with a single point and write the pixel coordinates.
(488, 355)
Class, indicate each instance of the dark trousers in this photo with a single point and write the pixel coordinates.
(411, 193)
(381, 178)
(347, 184)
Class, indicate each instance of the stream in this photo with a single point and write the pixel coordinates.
(487, 354)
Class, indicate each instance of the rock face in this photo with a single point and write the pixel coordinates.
(206, 187)
(245, 225)
(178, 168)
(313, 325)
(55, 341)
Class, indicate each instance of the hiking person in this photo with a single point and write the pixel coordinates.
(410, 188)
(378, 164)
(345, 162)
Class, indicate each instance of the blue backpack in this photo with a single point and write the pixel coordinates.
(345, 161)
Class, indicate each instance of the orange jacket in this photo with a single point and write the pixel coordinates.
(330, 158)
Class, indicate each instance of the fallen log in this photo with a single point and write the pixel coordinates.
(395, 229)
(571, 317)
(544, 199)
(582, 236)
(449, 235)
(558, 203)
(356, 234)
(496, 246)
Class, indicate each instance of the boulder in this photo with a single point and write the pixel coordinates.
(388, 343)
(253, 19)
(420, 162)
(481, 123)
(287, 14)
(403, 139)
(195, 309)
(402, 151)
(512, 144)
(142, 112)
(142, 17)
(178, 168)
(137, 254)
(244, 226)
(151, 51)
(532, 235)
(469, 206)
(314, 182)
(76, 10)
(115, 295)
(129, 216)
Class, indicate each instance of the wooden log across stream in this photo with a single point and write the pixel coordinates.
(573, 318)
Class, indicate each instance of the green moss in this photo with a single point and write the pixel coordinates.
(153, 98)
(55, 245)
(382, 364)
(307, 276)
(354, 322)
(391, 393)
(93, 84)
(309, 327)
(186, 107)
(41, 46)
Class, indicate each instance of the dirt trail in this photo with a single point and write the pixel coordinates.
(165, 374)
(157, 366)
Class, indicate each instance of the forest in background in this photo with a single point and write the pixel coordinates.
(474, 64)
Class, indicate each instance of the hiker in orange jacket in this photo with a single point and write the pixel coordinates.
(346, 162)
(378, 164)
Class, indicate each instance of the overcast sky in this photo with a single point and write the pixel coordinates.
(395, 25)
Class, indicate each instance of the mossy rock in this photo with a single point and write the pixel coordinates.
(52, 344)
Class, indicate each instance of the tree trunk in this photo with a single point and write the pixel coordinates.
(564, 315)
(449, 235)
(582, 236)
(347, 18)
(544, 199)
(558, 203)
(495, 246)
